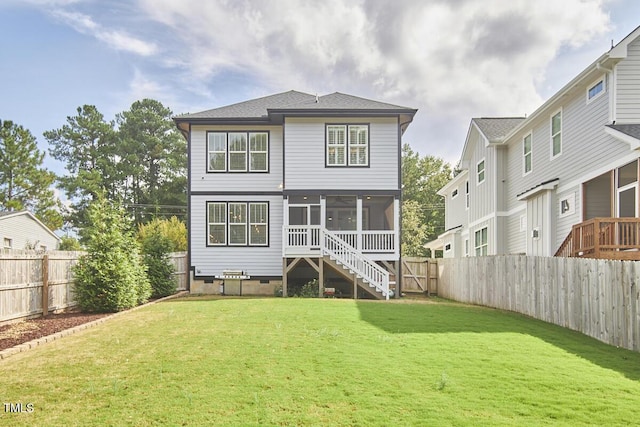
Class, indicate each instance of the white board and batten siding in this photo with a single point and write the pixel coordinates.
(232, 181)
(628, 86)
(305, 156)
(254, 260)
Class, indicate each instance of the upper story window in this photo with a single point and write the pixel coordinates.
(347, 145)
(8, 243)
(480, 172)
(595, 90)
(237, 151)
(556, 134)
(466, 195)
(526, 152)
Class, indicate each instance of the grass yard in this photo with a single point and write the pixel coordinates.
(196, 361)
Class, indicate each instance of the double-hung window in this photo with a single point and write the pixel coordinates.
(347, 145)
(481, 242)
(556, 134)
(480, 171)
(526, 152)
(238, 223)
(238, 151)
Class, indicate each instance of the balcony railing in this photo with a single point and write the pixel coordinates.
(603, 238)
(306, 239)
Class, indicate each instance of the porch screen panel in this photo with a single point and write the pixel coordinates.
(237, 223)
(217, 223)
(336, 145)
(258, 223)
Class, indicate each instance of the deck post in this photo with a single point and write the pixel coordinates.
(284, 277)
(320, 275)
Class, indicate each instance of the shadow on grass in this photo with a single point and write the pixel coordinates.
(452, 318)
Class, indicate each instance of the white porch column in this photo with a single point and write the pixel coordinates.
(323, 212)
(285, 223)
(359, 223)
(396, 227)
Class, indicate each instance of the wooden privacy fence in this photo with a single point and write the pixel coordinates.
(31, 280)
(420, 275)
(599, 298)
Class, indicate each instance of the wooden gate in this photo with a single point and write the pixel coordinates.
(420, 275)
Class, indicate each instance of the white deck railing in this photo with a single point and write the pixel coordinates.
(343, 246)
(307, 237)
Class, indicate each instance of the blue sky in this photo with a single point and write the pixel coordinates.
(453, 60)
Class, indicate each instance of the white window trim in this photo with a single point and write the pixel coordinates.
(265, 224)
(209, 152)
(247, 224)
(467, 195)
(357, 144)
(484, 170)
(348, 144)
(593, 85)
(482, 245)
(252, 152)
(551, 155)
(524, 155)
(245, 152)
(209, 224)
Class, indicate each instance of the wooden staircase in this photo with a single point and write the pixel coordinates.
(354, 265)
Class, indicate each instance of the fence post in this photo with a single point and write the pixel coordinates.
(45, 285)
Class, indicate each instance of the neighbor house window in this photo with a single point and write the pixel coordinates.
(466, 194)
(595, 90)
(447, 247)
(238, 151)
(556, 134)
(347, 145)
(8, 243)
(480, 171)
(454, 193)
(481, 242)
(526, 152)
(238, 223)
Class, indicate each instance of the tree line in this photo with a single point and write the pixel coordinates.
(138, 159)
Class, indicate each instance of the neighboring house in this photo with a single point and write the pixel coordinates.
(563, 180)
(22, 230)
(282, 187)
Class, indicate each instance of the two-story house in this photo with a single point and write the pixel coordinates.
(563, 180)
(293, 187)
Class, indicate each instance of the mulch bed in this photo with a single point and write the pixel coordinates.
(20, 332)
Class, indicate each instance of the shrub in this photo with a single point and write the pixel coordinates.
(310, 289)
(68, 243)
(156, 248)
(111, 276)
(173, 229)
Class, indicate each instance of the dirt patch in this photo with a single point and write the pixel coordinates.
(20, 332)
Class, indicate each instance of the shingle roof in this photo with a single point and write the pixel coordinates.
(254, 108)
(292, 101)
(632, 130)
(496, 128)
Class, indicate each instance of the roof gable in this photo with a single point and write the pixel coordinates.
(7, 215)
(491, 129)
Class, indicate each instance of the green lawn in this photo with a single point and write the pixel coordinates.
(336, 362)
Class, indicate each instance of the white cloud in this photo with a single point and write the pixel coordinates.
(116, 39)
(452, 59)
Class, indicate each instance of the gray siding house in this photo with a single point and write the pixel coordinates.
(563, 180)
(22, 230)
(293, 187)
